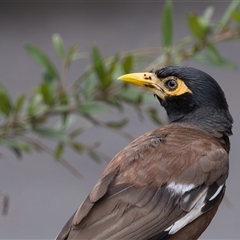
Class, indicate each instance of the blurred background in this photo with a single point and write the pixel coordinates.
(43, 194)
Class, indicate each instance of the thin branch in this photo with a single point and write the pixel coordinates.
(226, 35)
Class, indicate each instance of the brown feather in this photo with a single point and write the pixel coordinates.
(131, 199)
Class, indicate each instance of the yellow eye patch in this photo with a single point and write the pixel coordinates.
(180, 89)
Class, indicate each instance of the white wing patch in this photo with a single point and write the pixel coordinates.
(192, 215)
(179, 188)
(216, 193)
(195, 212)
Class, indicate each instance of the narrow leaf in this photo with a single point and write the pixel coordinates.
(51, 133)
(16, 151)
(98, 63)
(77, 147)
(64, 98)
(76, 132)
(58, 45)
(19, 102)
(112, 66)
(47, 92)
(42, 59)
(213, 53)
(127, 64)
(227, 15)
(118, 125)
(226, 63)
(65, 124)
(92, 108)
(72, 52)
(61, 109)
(213, 58)
(236, 16)
(207, 15)
(59, 151)
(5, 101)
(17, 146)
(167, 24)
(196, 26)
(33, 106)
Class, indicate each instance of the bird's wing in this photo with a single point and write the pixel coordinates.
(154, 187)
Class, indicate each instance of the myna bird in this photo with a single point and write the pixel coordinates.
(168, 183)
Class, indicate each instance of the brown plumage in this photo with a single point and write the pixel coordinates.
(168, 183)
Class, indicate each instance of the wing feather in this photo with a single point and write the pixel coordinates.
(132, 199)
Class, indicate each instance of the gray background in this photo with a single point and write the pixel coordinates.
(43, 194)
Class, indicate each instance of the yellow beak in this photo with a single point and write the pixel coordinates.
(145, 80)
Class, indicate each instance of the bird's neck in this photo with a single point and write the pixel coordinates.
(217, 122)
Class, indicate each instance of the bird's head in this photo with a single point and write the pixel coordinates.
(187, 94)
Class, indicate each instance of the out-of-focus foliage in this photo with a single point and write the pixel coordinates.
(96, 90)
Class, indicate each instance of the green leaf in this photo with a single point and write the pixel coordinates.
(72, 52)
(167, 24)
(19, 102)
(214, 58)
(92, 108)
(207, 14)
(127, 64)
(42, 59)
(59, 151)
(226, 63)
(58, 45)
(77, 147)
(16, 151)
(65, 124)
(51, 133)
(5, 101)
(227, 15)
(236, 16)
(117, 125)
(89, 86)
(17, 146)
(197, 26)
(48, 93)
(33, 105)
(98, 63)
(76, 132)
(61, 109)
(213, 53)
(99, 68)
(47, 77)
(112, 67)
(64, 98)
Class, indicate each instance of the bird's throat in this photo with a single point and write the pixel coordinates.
(214, 121)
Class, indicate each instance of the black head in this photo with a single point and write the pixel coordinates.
(204, 91)
(188, 95)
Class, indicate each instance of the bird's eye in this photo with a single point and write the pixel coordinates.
(171, 84)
